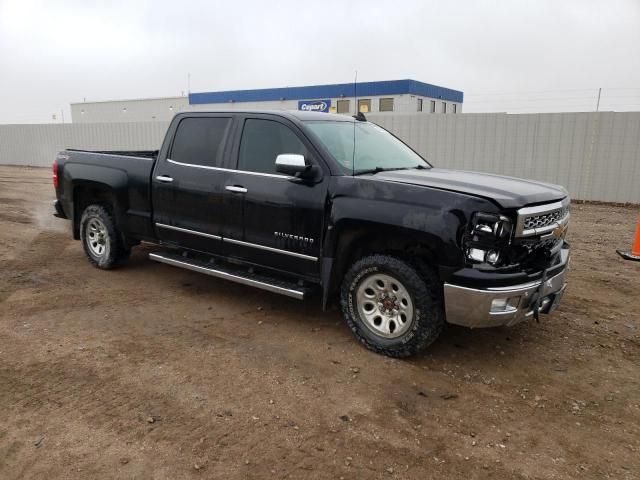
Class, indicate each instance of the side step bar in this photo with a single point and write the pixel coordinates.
(290, 289)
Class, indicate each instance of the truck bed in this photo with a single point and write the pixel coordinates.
(123, 174)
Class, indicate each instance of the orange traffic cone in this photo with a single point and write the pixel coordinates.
(635, 248)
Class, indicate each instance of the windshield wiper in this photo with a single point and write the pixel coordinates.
(421, 167)
(378, 170)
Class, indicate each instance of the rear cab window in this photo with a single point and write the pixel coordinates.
(200, 141)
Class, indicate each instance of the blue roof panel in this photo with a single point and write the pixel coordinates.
(364, 89)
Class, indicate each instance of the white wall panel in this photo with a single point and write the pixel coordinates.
(37, 145)
(595, 155)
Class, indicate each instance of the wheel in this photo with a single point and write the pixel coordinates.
(101, 239)
(392, 307)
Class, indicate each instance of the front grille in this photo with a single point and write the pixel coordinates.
(545, 219)
(542, 219)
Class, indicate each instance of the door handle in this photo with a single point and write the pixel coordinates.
(164, 178)
(235, 189)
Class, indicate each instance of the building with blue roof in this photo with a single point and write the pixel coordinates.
(383, 97)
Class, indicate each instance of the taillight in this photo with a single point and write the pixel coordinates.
(55, 174)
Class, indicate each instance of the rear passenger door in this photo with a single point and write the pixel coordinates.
(189, 184)
(282, 216)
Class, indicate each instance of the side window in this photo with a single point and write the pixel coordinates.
(200, 141)
(386, 105)
(364, 105)
(262, 141)
(343, 106)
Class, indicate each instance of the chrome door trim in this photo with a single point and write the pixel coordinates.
(234, 189)
(270, 249)
(186, 230)
(238, 242)
(272, 175)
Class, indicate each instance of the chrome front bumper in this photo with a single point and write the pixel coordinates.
(493, 307)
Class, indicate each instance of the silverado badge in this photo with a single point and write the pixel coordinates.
(297, 238)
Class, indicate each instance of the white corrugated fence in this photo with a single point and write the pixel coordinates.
(595, 155)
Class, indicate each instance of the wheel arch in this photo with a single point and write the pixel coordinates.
(354, 239)
(90, 192)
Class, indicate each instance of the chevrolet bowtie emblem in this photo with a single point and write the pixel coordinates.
(559, 231)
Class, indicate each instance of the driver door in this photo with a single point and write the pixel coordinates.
(282, 216)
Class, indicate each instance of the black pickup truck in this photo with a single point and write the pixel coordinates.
(293, 202)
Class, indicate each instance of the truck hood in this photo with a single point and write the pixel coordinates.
(508, 192)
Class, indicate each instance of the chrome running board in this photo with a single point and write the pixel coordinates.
(290, 289)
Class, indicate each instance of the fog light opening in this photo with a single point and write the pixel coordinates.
(509, 304)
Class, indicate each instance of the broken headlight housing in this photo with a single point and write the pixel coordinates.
(488, 233)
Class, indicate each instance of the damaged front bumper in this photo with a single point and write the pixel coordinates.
(505, 305)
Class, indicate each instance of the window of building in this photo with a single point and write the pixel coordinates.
(343, 106)
(364, 105)
(386, 105)
(444, 107)
(419, 104)
(262, 141)
(433, 106)
(200, 141)
(455, 108)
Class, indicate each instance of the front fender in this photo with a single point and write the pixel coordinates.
(411, 218)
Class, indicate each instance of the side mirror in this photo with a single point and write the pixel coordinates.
(292, 164)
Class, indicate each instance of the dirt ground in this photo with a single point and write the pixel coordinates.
(155, 372)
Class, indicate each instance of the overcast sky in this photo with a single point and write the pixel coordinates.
(510, 55)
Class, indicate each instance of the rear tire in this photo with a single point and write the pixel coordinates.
(101, 240)
(393, 307)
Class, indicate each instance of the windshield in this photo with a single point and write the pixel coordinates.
(375, 148)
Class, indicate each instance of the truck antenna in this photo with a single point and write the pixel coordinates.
(355, 98)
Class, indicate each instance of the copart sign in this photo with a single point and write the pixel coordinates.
(314, 105)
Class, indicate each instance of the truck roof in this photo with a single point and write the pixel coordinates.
(291, 114)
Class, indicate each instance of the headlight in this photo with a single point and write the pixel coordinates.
(478, 255)
(491, 225)
(493, 257)
(489, 232)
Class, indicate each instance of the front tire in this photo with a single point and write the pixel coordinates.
(392, 307)
(101, 239)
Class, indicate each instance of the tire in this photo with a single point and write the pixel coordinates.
(377, 290)
(101, 240)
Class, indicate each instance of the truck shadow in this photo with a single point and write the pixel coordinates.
(459, 344)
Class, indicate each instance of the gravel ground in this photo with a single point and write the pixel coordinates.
(154, 372)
